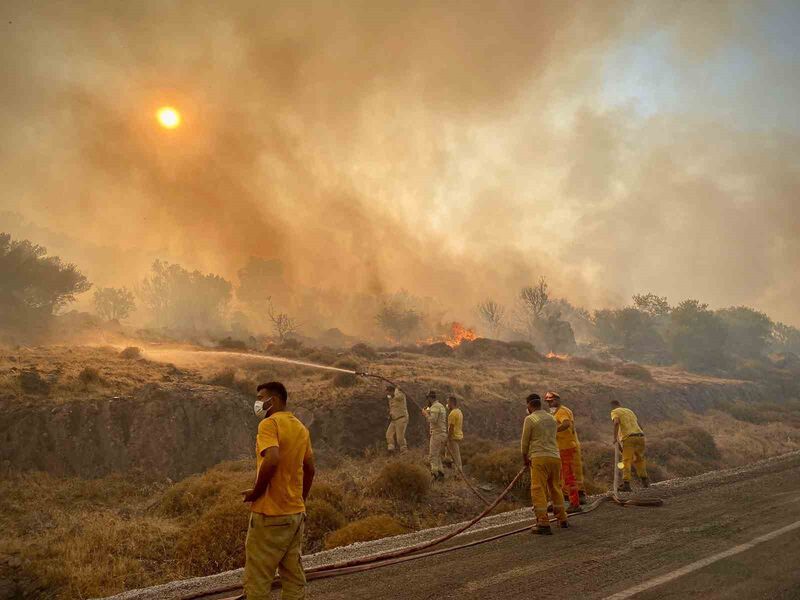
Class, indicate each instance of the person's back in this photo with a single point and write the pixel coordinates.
(629, 438)
(397, 405)
(628, 423)
(542, 435)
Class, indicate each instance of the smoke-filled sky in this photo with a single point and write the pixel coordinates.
(454, 149)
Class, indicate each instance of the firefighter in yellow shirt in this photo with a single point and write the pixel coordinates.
(567, 447)
(540, 452)
(629, 438)
(455, 432)
(284, 474)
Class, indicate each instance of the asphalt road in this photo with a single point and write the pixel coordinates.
(613, 549)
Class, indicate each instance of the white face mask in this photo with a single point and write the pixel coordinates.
(553, 410)
(260, 409)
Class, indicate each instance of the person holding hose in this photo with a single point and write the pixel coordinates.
(455, 432)
(567, 440)
(437, 421)
(284, 474)
(398, 419)
(540, 452)
(629, 438)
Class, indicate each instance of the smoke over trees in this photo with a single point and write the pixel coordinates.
(184, 300)
(33, 286)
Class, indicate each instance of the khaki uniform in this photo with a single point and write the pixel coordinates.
(539, 444)
(398, 422)
(632, 438)
(437, 420)
(455, 434)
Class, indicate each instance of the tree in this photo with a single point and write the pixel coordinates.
(182, 299)
(33, 285)
(532, 301)
(398, 321)
(113, 303)
(749, 331)
(492, 314)
(650, 304)
(785, 338)
(696, 336)
(282, 324)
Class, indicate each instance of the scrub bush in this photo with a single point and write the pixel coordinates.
(364, 530)
(322, 519)
(131, 352)
(215, 541)
(402, 481)
(633, 371)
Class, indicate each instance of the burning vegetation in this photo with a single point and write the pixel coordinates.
(457, 333)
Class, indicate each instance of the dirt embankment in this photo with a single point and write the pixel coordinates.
(89, 412)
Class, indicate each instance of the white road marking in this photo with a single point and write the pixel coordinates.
(702, 563)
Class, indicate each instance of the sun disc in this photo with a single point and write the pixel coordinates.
(168, 117)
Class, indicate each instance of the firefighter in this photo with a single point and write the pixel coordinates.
(284, 474)
(540, 452)
(455, 432)
(437, 422)
(567, 446)
(629, 438)
(398, 419)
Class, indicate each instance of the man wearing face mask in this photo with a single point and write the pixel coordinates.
(567, 440)
(398, 419)
(284, 474)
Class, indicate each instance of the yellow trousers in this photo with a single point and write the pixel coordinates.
(454, 450)
(546, 480)
(577, 467)
(633, 454)
(274, 543)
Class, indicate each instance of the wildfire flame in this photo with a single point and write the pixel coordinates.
(457, 334)
(553, 355)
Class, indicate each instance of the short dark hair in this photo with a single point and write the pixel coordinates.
(535, 400)
(431, 394)
(453, 399)
(275, 387)
(615, 403)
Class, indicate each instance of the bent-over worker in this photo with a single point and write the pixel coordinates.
(629, 438)
(284, 474)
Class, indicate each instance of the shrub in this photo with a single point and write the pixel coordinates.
(197, 494)
(215, 541)
(345, 379)
(364, 530)
(498, 466)
(700, 442)
(473, 446)
(364, 351)
(437, 349)
(328, 493)
(322, 519)
(131, 352)
(403, 481)
(32, 383)
(89, 375)
(633, 371)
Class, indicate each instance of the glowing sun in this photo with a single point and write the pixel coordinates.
(168, 117)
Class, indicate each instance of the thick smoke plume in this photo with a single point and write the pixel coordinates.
(456, 150)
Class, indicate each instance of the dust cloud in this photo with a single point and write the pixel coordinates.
(454, 150)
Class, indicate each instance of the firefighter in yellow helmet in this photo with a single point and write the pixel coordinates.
(568, 445)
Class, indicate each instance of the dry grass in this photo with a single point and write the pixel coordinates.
(364, 530)
(402, 481)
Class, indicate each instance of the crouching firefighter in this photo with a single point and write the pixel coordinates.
(540, 453)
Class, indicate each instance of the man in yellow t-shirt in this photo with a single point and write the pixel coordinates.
(629, 438)
(567, 447)
(455, 432)
(284, 474)
(540, 453)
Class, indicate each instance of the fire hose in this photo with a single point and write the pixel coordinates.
(419, 550)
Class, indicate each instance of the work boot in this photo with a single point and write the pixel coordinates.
(645, 482)
(571, 510)
(625, 487)
(541, 530)
(564, 524)
(582, 497)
